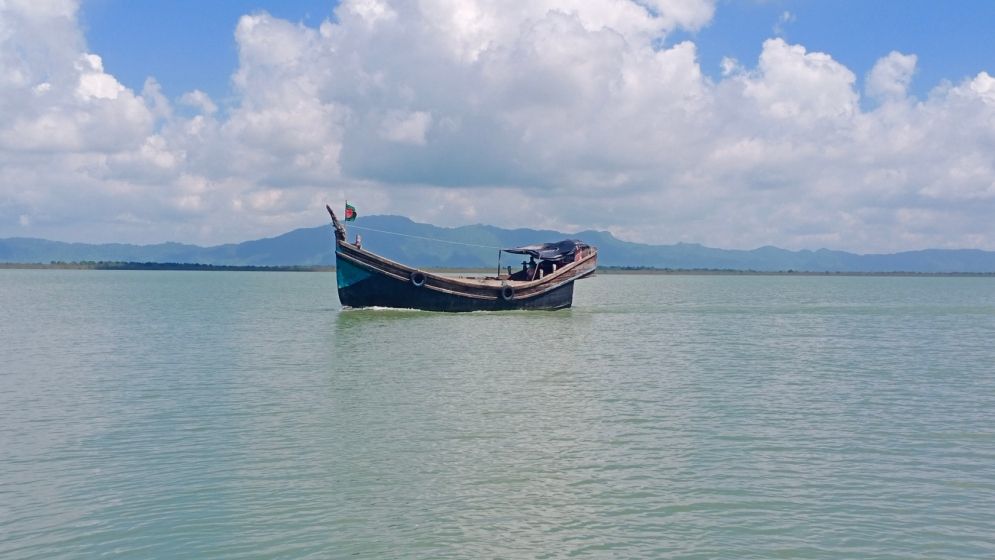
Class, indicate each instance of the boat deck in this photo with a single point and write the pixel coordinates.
(484, 281)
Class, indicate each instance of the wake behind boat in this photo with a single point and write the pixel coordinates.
(366, 279)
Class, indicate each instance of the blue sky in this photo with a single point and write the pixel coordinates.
(866, 126)
(189, 44)
(185, 44)
(951, 39)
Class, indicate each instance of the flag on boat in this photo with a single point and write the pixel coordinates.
(350, 212)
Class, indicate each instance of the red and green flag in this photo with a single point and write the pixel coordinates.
(350, 212)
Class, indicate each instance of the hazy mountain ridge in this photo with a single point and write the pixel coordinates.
(314, 246)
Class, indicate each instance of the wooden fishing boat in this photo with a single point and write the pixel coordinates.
(366, 279)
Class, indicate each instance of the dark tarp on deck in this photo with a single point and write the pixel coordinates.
(555, 252)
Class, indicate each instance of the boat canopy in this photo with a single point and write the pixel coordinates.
(555, 252)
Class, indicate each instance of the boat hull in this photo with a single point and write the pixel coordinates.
(359, 287)
(368, 280)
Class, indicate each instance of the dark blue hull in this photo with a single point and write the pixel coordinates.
(360, 285)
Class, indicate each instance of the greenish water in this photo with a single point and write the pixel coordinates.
(244, 415)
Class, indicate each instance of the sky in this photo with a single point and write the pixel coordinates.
(866, 126)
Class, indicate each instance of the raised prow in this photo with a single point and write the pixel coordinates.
(339, 229)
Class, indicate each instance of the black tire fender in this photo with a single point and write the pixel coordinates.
(417, 279)
(507, 292)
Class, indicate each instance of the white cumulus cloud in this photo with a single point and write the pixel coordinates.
(543, 113)
(891, 76)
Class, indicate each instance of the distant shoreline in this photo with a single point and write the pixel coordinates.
(736, 272)
(102, 265)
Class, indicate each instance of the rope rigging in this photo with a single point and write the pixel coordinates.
(426, 238)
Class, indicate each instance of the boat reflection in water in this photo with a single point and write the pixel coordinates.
(366, 279)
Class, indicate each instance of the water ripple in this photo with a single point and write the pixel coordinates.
(242, 415)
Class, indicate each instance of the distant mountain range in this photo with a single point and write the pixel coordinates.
(476, 246)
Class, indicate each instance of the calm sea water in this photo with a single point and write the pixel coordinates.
(244, 415)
